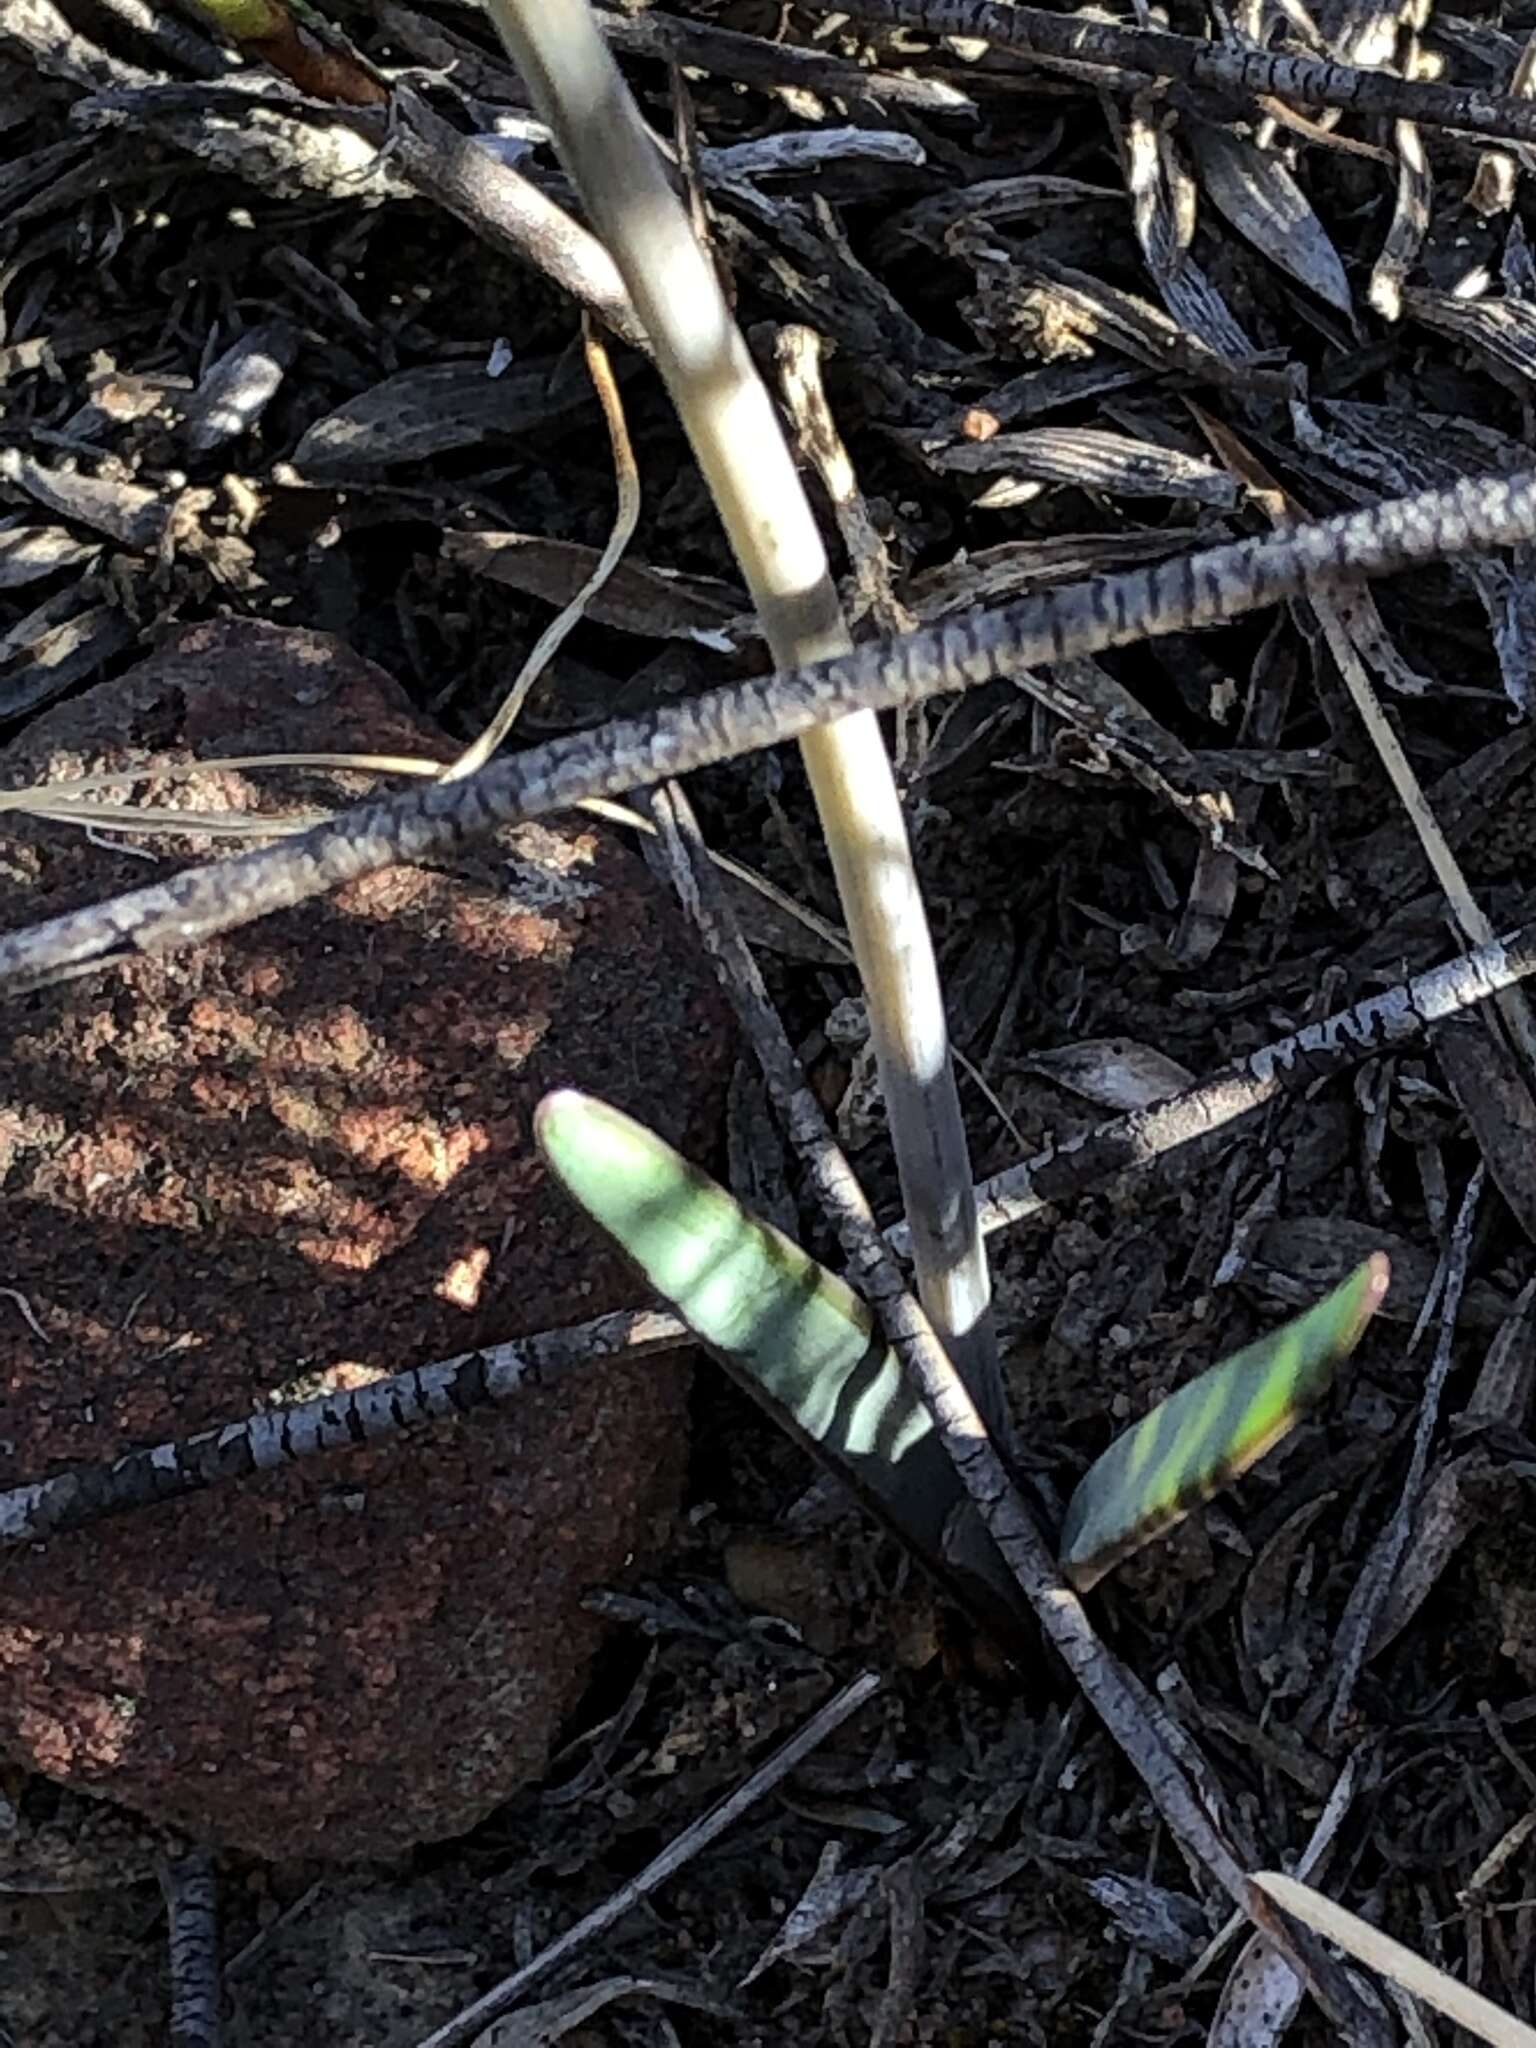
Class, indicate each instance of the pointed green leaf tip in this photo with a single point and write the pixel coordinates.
(1212, 1430)
(794, 1335)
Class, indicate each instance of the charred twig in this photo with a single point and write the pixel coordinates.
(427, 153)
(362, 152)
(1111, 611)
(837, 1188)
(1077, 39)
(1143, 1138)
(468, 2025)
(753, 60)
(1115, 1694)
(191, 1888)
(482, 1380)
(509, 212)
(461, 1386)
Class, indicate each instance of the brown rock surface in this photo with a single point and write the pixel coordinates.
(304, 1150)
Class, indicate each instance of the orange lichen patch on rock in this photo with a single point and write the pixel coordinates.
(502, 931)
(464, 1281)
(225, 1025)
(68, 1724)
(263, 980)
(337, 1041)
(26, 1128)
(297, 1110)
(277, 1162)
(515, 1038)
(430, 1153)
(107, 1159)
(389, 894)
(89, 1734)
(343, 1252)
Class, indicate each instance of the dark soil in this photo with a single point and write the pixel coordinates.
(985, 1864)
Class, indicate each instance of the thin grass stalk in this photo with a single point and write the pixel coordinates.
(735, 434)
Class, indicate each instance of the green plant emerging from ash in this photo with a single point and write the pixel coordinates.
(804, 1344)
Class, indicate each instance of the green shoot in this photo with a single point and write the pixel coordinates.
(791, 1333)
(804, 1345)
(1389, 1958)
(1210, 1431)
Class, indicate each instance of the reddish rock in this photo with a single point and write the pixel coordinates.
(304, 1150)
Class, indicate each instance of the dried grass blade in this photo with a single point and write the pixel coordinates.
(431, 409)
(1352, 626)
(1163, 203)
(29, 553)
(1090, 459)
(1409, 224)
(1503, 329)
(637, 598)
(1513, 1006)
(626, 518)
(1389, 1958)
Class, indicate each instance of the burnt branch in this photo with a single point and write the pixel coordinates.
(191, 1888)
(1226, 68)
(424, 823)
(1146, 1139)
(390, 1407)
(478, 1381)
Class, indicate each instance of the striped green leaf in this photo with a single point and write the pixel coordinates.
(1206, 1434)
(806, 1347)
(794, 1335)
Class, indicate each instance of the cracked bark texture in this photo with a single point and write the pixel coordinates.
(1234, 69)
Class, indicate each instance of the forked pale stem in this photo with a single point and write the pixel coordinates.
(730, 421)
